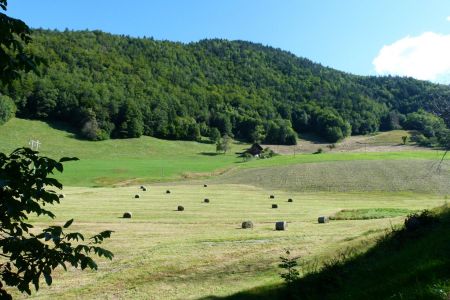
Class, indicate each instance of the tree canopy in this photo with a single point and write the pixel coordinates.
(111, 86)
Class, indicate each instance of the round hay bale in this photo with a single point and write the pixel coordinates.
(206, 200)
(144, 189)
(323, 219)
(281, 225)
(168, 192)
(136, 196)
(61, 196)
(205, 185)
(127, 215)
(141, 187)
(290, 200)
(180, 208)
(247, 225)
(274, 205)
(272, 197)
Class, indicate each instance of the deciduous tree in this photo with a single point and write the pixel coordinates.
(29, 254)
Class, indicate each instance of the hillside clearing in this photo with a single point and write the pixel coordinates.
(133, 161)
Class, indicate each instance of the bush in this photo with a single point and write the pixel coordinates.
(319, 151)
(289, 264)
(418, 220)
(427, 123)
(421, 140)
(7, 109)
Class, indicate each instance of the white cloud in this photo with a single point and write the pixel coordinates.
(425, 57)
(448, 18)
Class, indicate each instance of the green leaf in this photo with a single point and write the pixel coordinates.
(68, 223)
(48, 279)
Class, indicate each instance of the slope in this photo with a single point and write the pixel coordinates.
(116, 86)
(405, 264)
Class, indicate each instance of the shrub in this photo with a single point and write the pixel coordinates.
(418, 220)
(7, 109)
(319, 151)
(289, 265)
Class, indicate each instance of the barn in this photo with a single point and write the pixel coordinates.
(255, 149)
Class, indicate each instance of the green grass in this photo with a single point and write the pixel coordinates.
(345, 156)
(127, 161)
(202, 251)
(393, 137)
(115, 161)
(370, 213)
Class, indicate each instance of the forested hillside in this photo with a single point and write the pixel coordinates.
(110, 86)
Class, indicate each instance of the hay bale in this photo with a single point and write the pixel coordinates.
(281, 225)
(168, 192)
(144, 189)
(272, 197)
(206, 200)
(141, 187)
(274, 205)
(247, 225)
(180, 208)
(127, 215)
(290, 200)
(205, 185)
(323, 219)
(61, 196)
(136, 196)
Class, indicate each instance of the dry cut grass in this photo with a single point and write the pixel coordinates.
(161, 253)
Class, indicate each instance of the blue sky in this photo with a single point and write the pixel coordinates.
(348, 35)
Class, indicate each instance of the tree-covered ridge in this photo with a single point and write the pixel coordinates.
(117, 86)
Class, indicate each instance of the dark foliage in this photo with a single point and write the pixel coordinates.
(122, 87)
(26, 254)
(14, 57)
(289, 264)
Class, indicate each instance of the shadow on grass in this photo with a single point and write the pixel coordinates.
(210, 153)
(404, 264)
(205, 141)
(71, 131)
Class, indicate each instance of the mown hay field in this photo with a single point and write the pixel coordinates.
(162, 253)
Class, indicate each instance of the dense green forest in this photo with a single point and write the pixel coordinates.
(110, 86)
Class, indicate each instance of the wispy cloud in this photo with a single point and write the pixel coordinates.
(448, 18)
(426, 57)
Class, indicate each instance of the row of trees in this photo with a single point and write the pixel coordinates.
(110, 86)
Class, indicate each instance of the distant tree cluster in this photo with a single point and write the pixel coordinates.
(432, 129)
(110, 86)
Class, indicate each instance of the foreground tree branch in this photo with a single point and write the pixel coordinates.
(25, 189)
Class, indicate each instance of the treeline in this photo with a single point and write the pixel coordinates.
(110, 86)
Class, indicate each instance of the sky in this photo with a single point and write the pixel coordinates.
(370, 37)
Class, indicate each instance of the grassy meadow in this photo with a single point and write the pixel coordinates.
(132, 161)
(121, 161)
(161, 253)
(165, 254)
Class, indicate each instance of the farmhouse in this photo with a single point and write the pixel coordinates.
(255, 149)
